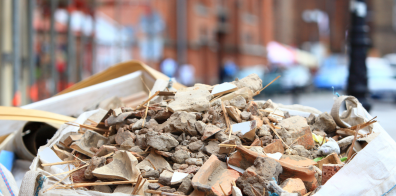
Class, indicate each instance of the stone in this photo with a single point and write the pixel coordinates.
(345, 141)
(200, 126)
(186, 186)
(194, 161)
(311, 119)
(251, 81)
(249, 180)
(191, 101)
(105, 150)
(180, 156)
(234, 113)
(209, 131)
(213, 174)
(268, 104)
(163, 142)
(238, 102)
(301, 151)
(267, 168)
(294, 185)
(151, 124)
(195, 146)
(153, 186)
(244, 158)
(165, 178)
(93, 164)
(329, 170)
(151, 173)
(123, 167)
(272, 119)
(325, 122)
(158, 161)
(141, 141)
(136, 149)
(184, 122)
(167, 189)
(162, 115)
(252, 107)
(264, 130)
(293, 123)
(88, 140)
(245, 115)
(138, 125)
(127, 144)
(192, 169)
(274, 147)
(221, 136)
(124, 188)
(212, 148)
(177, 166)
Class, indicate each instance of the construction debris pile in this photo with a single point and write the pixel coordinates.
(206, 140)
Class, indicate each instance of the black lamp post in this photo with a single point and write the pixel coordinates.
(359, 43)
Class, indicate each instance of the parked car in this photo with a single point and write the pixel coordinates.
(381, 77)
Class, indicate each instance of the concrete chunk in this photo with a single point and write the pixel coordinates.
(191, 101)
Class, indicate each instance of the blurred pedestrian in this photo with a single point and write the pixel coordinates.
(228, 71)
(168, 67)
(186, 74)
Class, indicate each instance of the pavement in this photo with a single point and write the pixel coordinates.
(385, 110)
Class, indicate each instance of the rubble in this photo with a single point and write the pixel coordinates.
(325, 123)
(294, 185)
(161, 141)
(123, 167)
(207, 140)
(329, 170)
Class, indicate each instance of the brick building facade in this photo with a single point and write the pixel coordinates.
(215, 31)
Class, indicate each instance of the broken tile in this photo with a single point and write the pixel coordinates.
(274, 147)
(294, 185)
(209, 131)
(329, 170)
(123, 167)
(297, 160)
(329, 159)
(158, 161)
(178, 177)
(213, 173)
(247, 129)
(223, 89)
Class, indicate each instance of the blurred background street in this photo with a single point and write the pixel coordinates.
(49, 45)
